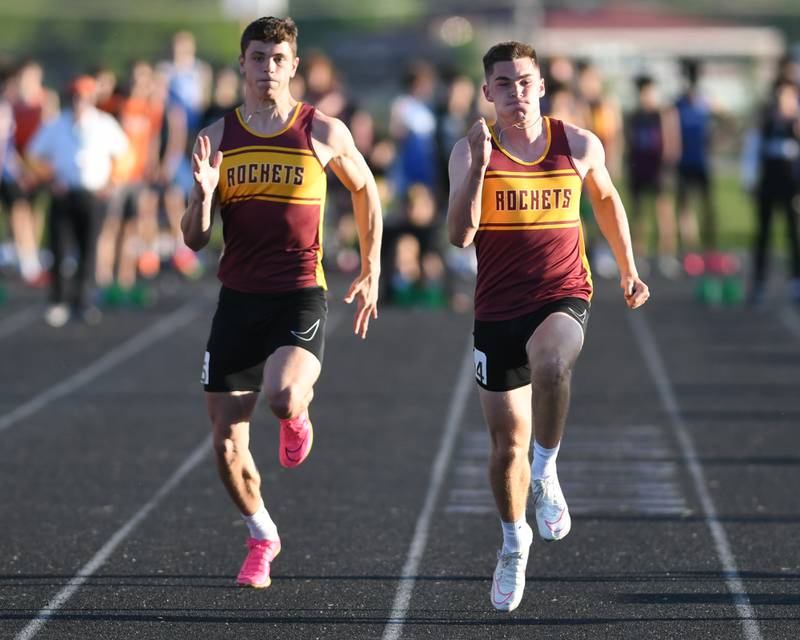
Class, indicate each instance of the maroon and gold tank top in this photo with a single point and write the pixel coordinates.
(530, 241)
(272, 197)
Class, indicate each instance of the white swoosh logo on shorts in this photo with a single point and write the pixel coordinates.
(308, 334)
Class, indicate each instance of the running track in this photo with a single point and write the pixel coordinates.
(680, 464)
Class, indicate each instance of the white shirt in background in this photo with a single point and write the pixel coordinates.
(80, 153)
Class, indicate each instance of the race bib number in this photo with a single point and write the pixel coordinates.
(480, 366)
(204, 375)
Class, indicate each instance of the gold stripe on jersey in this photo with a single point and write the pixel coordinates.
(540, 202)
(278, 199)
(529, 174)
(286, 175)
(529, 227)
(290, 150)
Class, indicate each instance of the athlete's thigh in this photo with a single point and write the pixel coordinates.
(559, 337)
(291, 366)
(508, 413)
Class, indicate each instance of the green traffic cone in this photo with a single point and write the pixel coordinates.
(709, 291)
(112, 296)
(432, 297)
(404, 293)
(732, 291)
(139, 296)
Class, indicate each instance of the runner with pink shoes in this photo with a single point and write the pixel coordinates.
(263, 166)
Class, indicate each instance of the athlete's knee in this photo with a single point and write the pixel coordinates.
(551, 371)
(506, 453)
(508, 446)
(288, 401)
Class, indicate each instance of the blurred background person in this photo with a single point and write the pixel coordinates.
(175, 180)
(109, 97)
(188, 88)
(188, 78)
(788, 70)
(603, 114)
(14, 188)
(76, 151)
(652, 146)
(778, 184)
(564, 104)
(413, 239)
(342, 243)
(32, 104)
(454, 116)
(560, 100)
(694, 167)
(412, 125)
(226, 96)
(131, 198)
(323, 88)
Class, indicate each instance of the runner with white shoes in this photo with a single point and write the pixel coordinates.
(515, 187)
(264, 165)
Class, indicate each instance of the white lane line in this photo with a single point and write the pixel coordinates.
(99, 559)
(658, 371)
(455, 413)
(163, 328)
(18, 320)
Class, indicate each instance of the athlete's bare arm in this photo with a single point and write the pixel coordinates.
(468, 162)
(335, 148)
(590, 160)
(206, 160)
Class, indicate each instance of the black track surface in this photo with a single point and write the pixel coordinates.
(641, 561)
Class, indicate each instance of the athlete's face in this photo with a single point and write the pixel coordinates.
(515, 87)
(268, 67)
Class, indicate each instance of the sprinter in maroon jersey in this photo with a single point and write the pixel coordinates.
(515, 188)
(263, 165)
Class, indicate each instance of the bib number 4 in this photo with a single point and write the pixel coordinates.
(480, 366)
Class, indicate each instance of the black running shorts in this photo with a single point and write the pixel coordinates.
(10, 192)
(501, 361)
(248, 327)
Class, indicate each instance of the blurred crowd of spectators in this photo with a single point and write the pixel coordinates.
(94, 181)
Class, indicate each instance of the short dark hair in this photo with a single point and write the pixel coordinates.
(507, 51)
(643, 81)
(270, 30)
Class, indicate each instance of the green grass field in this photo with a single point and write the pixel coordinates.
(735, 213)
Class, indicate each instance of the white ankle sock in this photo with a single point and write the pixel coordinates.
(517, 536)
(29, 265)
(544, 461)
(261, 525)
